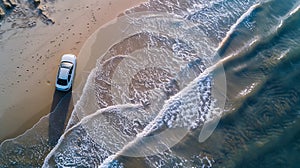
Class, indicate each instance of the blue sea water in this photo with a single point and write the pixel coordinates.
(125, 99)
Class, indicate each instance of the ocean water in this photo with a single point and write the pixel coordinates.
(180, 84)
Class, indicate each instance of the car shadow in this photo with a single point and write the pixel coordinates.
(61, 108)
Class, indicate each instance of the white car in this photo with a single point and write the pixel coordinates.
(66, 72)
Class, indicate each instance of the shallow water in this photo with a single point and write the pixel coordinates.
(161, 77)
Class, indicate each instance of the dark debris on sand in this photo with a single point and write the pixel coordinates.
(7, 8)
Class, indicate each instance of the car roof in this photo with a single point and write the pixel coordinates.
(63, 73)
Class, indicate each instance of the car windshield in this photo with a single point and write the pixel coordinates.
(62, 82)
(66, 65)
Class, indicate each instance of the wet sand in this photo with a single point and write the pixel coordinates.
(31, 48)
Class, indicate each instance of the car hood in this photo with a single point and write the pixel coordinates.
(69, 58)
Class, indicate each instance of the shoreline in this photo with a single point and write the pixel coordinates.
(31, 56)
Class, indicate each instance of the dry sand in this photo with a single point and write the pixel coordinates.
(31, 45)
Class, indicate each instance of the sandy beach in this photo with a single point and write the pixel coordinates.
(167, 83)
(32, 40)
